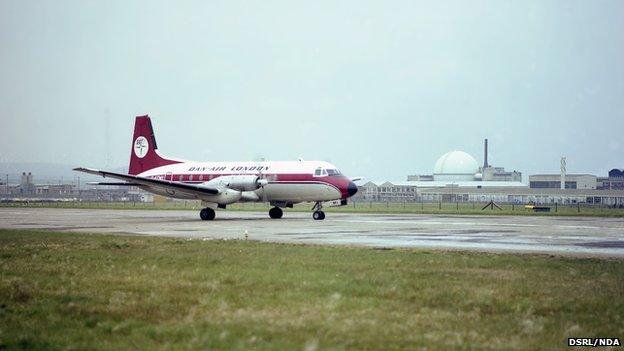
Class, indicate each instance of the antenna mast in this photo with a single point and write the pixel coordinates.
(563, 171)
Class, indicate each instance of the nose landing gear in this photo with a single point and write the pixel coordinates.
(207, 214)
(318, 215)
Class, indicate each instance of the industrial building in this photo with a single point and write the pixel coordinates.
(459, 168)
(615, 180)
(408, 192)
(453, 172)
(524, 196)
(457, 177)
(553, 181)
(387, 191)
(27, 189)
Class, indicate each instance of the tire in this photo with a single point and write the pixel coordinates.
(276, 213)
(207, 214)
(318, 215)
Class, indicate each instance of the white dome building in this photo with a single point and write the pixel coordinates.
(455, 166)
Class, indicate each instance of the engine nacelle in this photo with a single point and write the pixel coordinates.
(238, 182)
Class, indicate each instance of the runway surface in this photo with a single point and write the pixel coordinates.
(578, 236)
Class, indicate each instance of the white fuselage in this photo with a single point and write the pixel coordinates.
(286, 181)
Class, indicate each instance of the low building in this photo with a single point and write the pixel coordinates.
(615, 180)
(498, 174)
(484, 192)
(112, 194)
(524, 196)
(57, 190)
(553, 181)
(387, 192)
(411, 191)
(27, 189)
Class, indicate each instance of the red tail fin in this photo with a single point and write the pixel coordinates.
(143, 154)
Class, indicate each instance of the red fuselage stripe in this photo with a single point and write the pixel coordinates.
(339, 182)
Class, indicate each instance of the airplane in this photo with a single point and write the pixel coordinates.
(218, 184)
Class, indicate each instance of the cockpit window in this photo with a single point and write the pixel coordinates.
(319, 172)
(333, 172)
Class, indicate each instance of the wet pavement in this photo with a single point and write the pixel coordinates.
(577, 236)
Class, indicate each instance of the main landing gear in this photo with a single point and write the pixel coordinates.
(207, 214)
(318, 215)
(276, 213)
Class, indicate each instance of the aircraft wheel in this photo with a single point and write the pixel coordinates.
(276, 213)
(318, 215)
(207, 214)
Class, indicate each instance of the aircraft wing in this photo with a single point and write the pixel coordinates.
(153, 183)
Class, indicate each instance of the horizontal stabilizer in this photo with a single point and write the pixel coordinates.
(114, 183)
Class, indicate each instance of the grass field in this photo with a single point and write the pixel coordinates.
(82, 291)
(362, 207)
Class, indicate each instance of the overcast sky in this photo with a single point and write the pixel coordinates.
(381, 89)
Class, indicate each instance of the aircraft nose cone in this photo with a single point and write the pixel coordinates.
(352, 188)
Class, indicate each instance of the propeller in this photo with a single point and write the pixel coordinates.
(262, 181)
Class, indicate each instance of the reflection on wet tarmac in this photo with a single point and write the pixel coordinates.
(580, 236)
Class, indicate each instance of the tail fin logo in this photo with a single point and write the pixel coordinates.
(141, 146)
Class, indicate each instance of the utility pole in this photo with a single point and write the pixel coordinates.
(107, 154)
(452, 189)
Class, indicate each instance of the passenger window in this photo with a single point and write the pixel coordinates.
(318, 172)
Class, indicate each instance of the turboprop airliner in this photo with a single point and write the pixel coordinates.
(218, 184)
